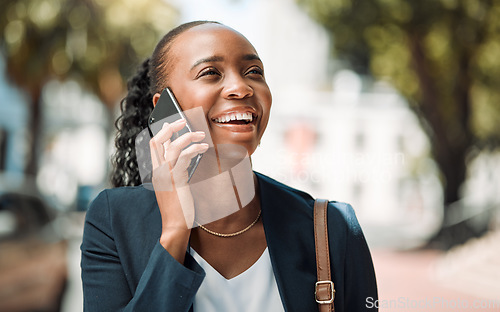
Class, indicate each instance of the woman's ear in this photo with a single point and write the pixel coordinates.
(156, 97)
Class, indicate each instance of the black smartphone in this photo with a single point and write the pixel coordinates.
(168, 110)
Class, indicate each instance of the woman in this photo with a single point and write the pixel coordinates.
(140, 252)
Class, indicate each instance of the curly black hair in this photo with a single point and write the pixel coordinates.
(150, 78)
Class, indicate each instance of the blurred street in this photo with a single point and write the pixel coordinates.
(464, 279)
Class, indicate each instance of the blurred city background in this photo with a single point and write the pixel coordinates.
(390, 105)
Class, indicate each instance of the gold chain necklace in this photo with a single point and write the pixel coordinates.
(231, 234)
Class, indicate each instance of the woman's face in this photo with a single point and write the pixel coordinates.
(214, 67)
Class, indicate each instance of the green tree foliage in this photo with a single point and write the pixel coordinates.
(93, 41)
(442, 55)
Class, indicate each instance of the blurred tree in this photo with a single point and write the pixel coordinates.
(443, 56)
(95, 42)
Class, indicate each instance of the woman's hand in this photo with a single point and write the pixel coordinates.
(170, 161)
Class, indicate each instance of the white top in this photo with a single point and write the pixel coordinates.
(254, 290)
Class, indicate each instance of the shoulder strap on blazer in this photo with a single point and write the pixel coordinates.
(325, 290)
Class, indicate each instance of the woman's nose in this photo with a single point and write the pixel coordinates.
(236, 87)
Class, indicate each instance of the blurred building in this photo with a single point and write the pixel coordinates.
(74, 141)
(13, 123)
(366, 148)
(74, 163)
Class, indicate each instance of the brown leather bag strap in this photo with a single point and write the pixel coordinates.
(325, 290)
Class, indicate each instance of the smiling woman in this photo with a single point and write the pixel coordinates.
(147, 250)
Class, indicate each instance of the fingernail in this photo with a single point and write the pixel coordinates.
(205, 146)
(180, 120)
(200, 133)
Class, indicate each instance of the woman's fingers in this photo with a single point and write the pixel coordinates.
(168, 130)
(165, 155)
(184, 160)
(175, 148)
(168, 178)
(161, 140)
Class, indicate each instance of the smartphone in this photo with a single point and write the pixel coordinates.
(168, 110)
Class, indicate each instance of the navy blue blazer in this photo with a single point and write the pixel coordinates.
(124, 267)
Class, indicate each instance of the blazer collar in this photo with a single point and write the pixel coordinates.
(287, 216)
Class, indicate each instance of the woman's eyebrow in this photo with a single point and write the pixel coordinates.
(251, 57)
(208, 60)
(246, 57)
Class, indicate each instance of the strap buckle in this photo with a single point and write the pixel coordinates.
(332, 294)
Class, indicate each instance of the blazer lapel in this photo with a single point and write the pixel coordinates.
(288, 223)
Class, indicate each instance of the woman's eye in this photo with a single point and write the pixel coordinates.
(255, 71)
(209, 72)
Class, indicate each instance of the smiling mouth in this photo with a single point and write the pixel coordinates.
(236, 118)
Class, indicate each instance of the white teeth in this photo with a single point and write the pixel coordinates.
(235, 116)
